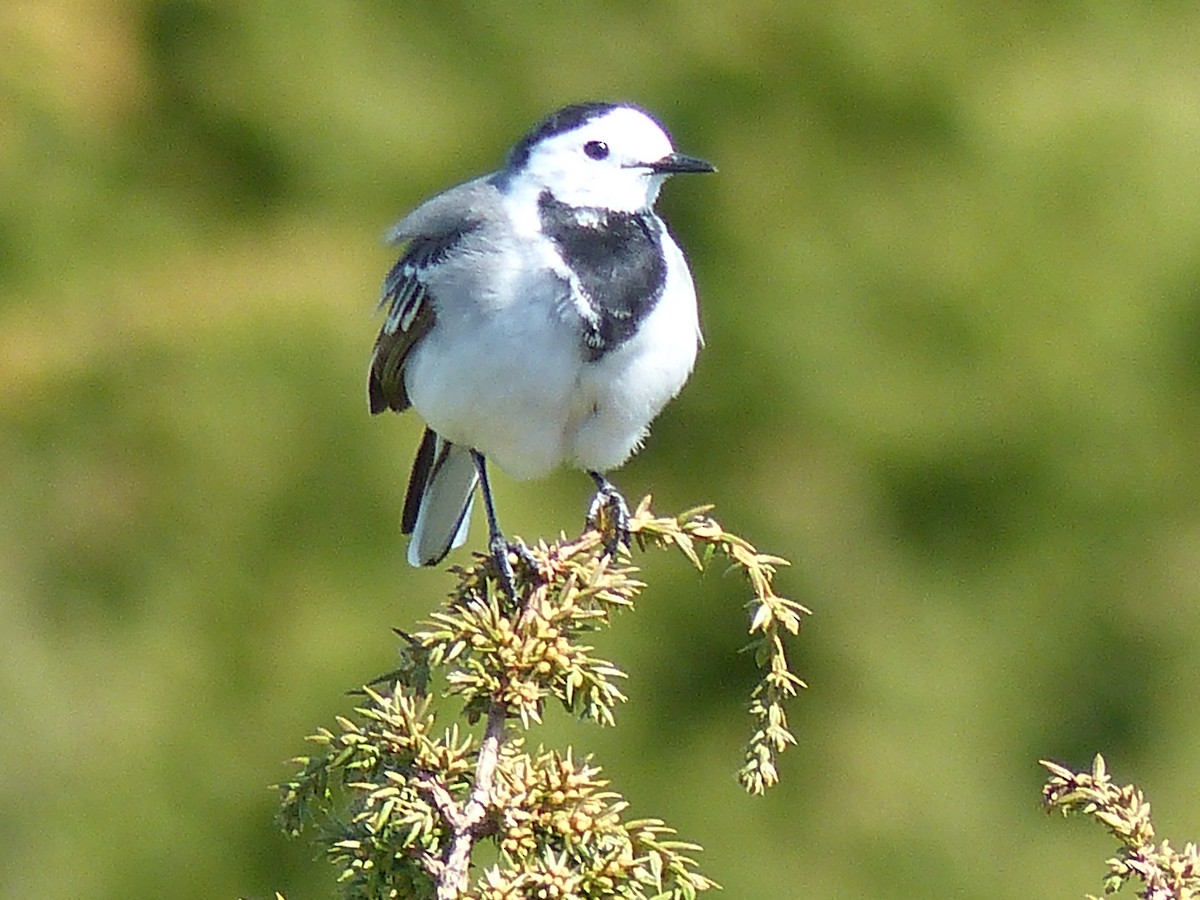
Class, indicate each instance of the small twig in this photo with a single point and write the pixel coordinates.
(442, 799)
(452, 881)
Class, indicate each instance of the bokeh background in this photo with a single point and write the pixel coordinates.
(950, 277)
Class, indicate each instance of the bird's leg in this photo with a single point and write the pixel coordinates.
(498, 546)
(609, 514)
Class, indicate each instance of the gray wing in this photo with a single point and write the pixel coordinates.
(434, 230)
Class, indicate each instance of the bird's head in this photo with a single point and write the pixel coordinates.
(604, 155)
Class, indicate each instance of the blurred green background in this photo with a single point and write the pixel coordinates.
(950, 279)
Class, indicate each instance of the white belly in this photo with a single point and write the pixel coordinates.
(510, 380)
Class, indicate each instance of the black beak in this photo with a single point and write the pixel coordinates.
(678, 163)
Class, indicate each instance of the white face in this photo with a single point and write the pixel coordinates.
(603, 162)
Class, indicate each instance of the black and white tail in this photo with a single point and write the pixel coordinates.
(441, 492)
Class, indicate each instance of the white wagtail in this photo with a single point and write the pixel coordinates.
(539, 316)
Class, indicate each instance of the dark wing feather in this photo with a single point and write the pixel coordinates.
(409, 316)
(422, 470)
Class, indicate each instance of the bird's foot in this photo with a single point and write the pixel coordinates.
(609, 514)
(502, 552)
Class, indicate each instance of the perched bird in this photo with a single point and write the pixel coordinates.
(539, 316)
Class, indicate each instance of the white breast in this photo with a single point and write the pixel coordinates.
(502, 370)
(623, 391)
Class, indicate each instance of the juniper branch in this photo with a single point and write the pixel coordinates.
(1166, 873)
(419, 803)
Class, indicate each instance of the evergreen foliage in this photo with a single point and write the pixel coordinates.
(404, 802)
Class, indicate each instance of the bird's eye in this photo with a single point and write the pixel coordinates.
(596, 149)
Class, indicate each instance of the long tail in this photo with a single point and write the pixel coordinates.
(441, 492)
